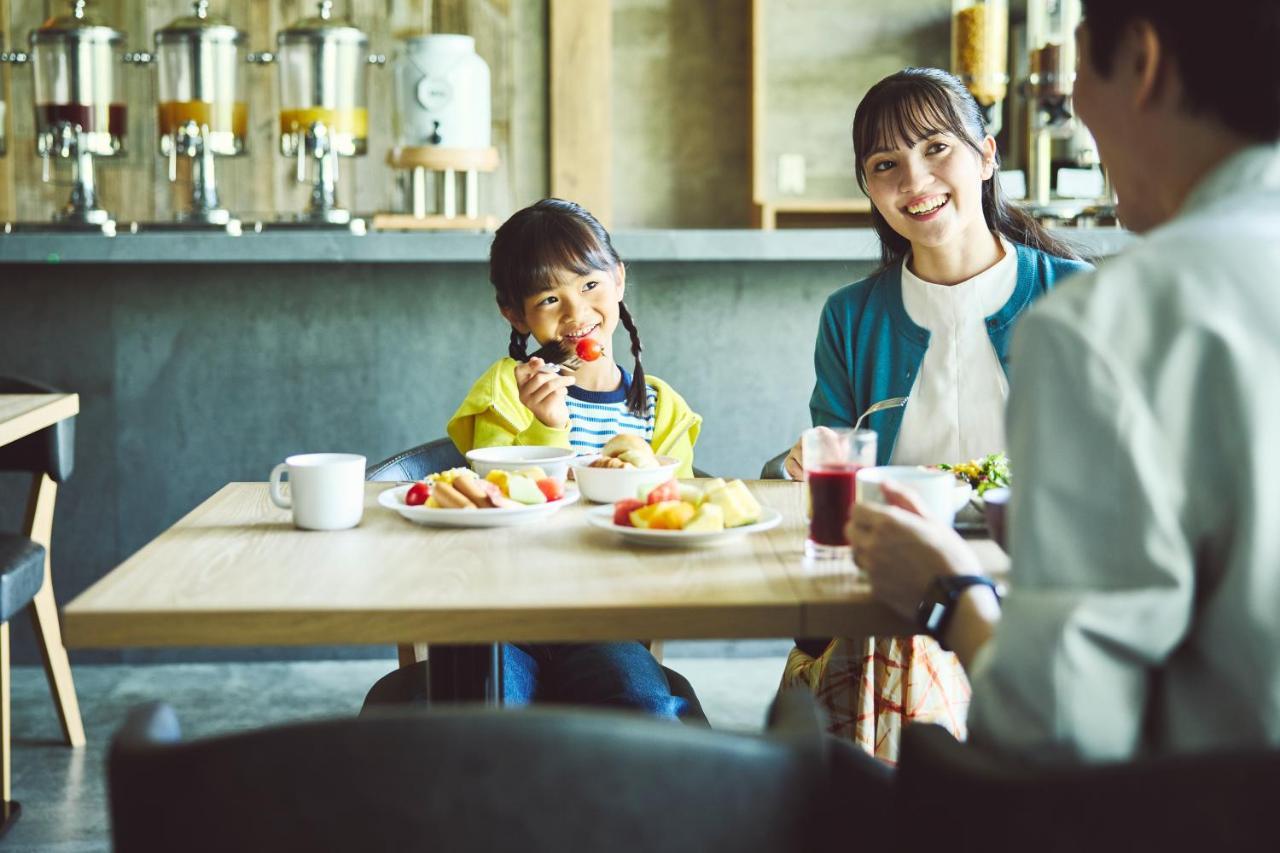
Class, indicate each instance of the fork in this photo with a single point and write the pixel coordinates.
(891, 403)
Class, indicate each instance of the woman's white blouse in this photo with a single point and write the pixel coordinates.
(955, 411)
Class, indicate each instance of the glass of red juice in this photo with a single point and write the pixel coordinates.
(832, 459)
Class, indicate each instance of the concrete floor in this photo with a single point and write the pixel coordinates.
(63, 791)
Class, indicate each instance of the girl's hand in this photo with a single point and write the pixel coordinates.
(543, 393)
(902, 551)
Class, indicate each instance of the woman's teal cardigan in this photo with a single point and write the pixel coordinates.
(869, 350)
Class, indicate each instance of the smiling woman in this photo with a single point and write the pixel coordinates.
(931, 326)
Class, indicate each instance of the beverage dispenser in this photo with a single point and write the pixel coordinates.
(443, 131)
(202, 112)
(323, 64)
(79, 104)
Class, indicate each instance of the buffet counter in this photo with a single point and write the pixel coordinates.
(300, 245)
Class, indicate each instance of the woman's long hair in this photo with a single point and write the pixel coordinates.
(908, 106)
(538, 244)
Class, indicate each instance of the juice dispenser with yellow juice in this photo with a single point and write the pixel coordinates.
(202, 111)
(323, 64)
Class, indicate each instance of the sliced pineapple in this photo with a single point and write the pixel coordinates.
(739, 505)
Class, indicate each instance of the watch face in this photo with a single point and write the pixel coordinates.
(931, 615)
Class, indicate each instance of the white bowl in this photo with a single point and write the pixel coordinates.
(553, 460)
(606, 485)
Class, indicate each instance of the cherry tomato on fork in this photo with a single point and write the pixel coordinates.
(589, 350)
(417, 494)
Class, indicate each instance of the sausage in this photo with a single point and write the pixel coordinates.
(471, 489)
(450, 498)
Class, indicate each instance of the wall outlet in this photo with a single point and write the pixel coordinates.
(791, 174)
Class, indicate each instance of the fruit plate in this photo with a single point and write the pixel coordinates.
(393, 499)
(602, 517)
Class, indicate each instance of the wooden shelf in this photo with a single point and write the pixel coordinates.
(439, 159)
(434, 222)
(812, 211)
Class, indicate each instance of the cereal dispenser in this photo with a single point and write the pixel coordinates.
(323, 65)
(80, 111)
(1051, 59)
(202, 111)
(979, 53)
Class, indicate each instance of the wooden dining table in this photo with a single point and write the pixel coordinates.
(235, 572)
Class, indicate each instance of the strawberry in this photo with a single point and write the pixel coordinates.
(668, 491)
(417, 494)
(551, 488)
(622, 511)
(589, 350)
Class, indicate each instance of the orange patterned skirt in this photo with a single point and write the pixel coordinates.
(871, 687)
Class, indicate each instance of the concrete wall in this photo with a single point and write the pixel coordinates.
(193, 376)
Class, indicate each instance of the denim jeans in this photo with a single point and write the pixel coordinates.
(620, 675)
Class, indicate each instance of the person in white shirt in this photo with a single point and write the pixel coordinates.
(1142, 615)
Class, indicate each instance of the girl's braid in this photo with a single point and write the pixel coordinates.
(517, 348)
(638, 393)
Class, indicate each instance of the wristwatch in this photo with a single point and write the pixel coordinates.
(935, 611)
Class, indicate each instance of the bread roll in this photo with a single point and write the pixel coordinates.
(626, 442)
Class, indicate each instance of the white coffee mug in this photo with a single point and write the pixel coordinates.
(326, 490)
(935, 489)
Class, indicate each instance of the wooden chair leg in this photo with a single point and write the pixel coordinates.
(411, 653)
(44, 614)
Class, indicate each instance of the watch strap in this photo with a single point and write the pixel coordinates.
(938, 607)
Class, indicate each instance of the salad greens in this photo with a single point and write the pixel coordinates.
(989, 472)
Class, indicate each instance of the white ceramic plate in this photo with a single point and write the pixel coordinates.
(393, 499)
(602, 517)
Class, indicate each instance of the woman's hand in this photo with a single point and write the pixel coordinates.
(794, 462)
(543, 393)
(902, 550)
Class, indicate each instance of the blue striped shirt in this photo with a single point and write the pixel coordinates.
(597, 416)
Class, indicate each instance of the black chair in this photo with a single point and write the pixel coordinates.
(469, 780)
(438, 455)
(975, 801)
(408, 686)
(48, 456)
(417, 462)
(775, 468)
(21, 575)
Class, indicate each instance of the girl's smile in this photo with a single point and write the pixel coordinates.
(581, 333)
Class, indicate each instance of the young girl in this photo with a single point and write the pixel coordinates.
(558, 277)
(932, 325)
